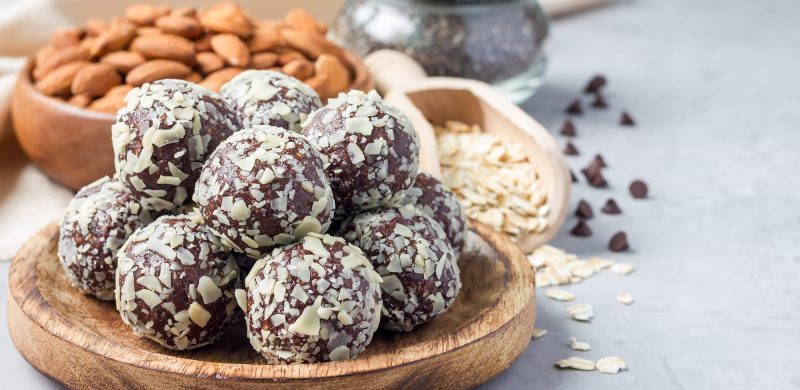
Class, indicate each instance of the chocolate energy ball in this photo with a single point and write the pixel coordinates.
(264, 97)
(176, 283)
(264, 186)
(316, 300)
(162, 137)
(411, 253)
(97, 222)
(370, 148)
(437, 201)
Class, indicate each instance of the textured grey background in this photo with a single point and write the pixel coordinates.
(715, 88)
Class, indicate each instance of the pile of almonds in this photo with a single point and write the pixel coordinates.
(96, 65)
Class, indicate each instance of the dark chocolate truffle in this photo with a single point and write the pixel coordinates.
(411, 253)
(371, 150)
(97, 222)
(264, 186)
(162, 137)
(176, 283)
(437, 201)
(264, 97)
(313, 301)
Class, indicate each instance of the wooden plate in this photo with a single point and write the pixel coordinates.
(81, 342)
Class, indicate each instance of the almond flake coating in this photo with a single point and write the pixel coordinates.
(265, 97)
(264, 186)
(163, 135)
(434, 199)
(175, 283)
(96, 223)
(411, 253)
(370, 150)
(313, 301)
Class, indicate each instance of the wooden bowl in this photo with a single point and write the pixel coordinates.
(429, 100)
(73, 145)
(82, 342)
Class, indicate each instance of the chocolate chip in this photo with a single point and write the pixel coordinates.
(568, 129)
(570, 149)
(638, 189)
(619, 242)
(575, 107)
(595, 84)
(626, 119)
(611, 207)
(599, 101)
(599, 161)
(598, 181)
(581, 229)
(584, 210)
(574, 178)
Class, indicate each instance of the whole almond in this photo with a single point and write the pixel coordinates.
(148, 30)
(61, 57)
(194, 78)
(80, 100)
(226, 17)
(166, 46)
(64, 37)
(123, 61)
(183, 11)
(95, 80)
(215, 80)
(319, 83)
(265, 39)
(300, 69)
(112, 101)
(145, 14)
(156, 70)
(231, 48)
(308, 44)
(115, 38)
(180, 25)
(208, 62)
(336, 73)
(263, 60)
(95, 27)
(57, 82)
(286, 56)
(203, 43)
(301, 20)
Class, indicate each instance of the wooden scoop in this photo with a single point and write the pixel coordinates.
(403, 82)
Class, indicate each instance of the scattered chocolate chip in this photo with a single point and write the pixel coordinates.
(575, 107)
(568, 129)
(581, 229)
(626, 119)
(584, 210)
(574, 178)
(570, 149)
(598, 181)
(599, 101)
(599, 161)
(611, 207)
(595, 84)
(638, 189)
(619, 242)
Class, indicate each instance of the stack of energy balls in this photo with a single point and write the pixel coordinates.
(312, 219)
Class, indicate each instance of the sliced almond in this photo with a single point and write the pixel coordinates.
(59, 57)
(300, 69)
(58, 82)
(560, 295)
(622, 268)
(226, 17)
(112, 39)
(231, 48)
(208, 62)
(95, 80)
(156, 70)
(166, 46)
(625, 298)
(611, 365)
(215, 80)
(538, 333)
(264, 60)
(576, 363)
(123, 61)
(581, 312)
(184, 26)
(579, 345)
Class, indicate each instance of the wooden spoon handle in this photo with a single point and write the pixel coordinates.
(393, 70)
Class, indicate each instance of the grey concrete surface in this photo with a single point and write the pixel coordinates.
(714, 85)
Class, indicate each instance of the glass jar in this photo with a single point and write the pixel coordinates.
(497, 41)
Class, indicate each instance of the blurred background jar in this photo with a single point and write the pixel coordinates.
(497, 41)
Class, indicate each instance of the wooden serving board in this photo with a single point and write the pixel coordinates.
(82, 343)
